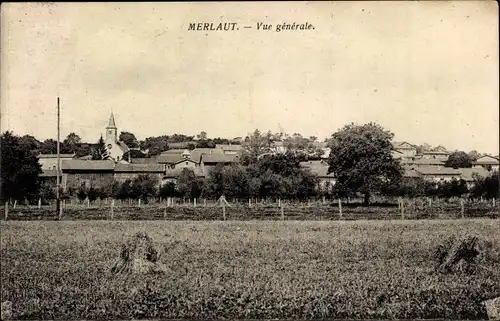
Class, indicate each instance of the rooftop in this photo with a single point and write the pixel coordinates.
(142, 168)
(55, 155)
(87, 165)
(219, 158)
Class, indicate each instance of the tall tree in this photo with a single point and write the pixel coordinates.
(71, 143)
(129, 139)
(458, 160)
(20, 169)
(99, 150)
(361, 160)
(202, 135)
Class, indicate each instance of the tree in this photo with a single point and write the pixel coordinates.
(474, 155)
(155, 145)
(129, 139)
(99, 151)
(361, 160)
(20, 169)
(202, 136)
(487, 187)
(185, 182)
(71, 144)
(458, 160)
(49, 146)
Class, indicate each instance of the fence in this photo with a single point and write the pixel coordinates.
(251, 209)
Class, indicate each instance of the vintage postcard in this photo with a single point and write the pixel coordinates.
(250, 160)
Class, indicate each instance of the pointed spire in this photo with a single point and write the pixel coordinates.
(111, 123)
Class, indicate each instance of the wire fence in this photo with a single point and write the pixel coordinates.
(252, 209)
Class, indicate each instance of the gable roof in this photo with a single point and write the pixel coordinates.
(422, 161)
(399, 145)
(467, 174)
(198, 152)
(123, 146)
(486, 160)
(169, 158)
(219, 158)
(437, 171)
(142, 168)
(87, 165)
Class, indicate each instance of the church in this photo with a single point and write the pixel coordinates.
(115, 149)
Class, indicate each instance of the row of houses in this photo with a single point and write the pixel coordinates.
(167, 166)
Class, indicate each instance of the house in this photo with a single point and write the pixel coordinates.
(49, 161)
(278, 147)
(123, 172)
(87, 173)
(435, 154)
(177, 161)
(396, 154)
(171, 175)
(488, 162)
(326, 152)
(320, 169)
(198, 152)
(442, 174)
(209, 161)
(468, 174)
(406, 149)
(421, 162)
(114, 148)
(230, 149)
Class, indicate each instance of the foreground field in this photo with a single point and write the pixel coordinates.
(266, 269)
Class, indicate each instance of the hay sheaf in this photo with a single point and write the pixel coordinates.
(139, 255)
(457, 255)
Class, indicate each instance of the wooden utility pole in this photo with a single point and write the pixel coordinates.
(58, 204)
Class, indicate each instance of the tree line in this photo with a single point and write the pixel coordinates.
(360, 160)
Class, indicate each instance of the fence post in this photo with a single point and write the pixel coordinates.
(249, 202)
(6, 210)
(88, 202)
(493, 201)
(402, 202)
(194, 202)
(340, 208)
(204, 202)
(15, 203)
(40, 203)
(165, 210)
(324, 201)
(279, 202)
(112, 208)
(139, 202)
(224, 211)
(462, 207)
(60, 211)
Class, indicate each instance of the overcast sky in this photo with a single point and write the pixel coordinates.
(427, 71)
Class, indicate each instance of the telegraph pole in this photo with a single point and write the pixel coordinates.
(58, 202)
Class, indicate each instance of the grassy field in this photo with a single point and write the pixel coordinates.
(252, 269)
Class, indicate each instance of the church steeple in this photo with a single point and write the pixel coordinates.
(111, 123)
(111, 130)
